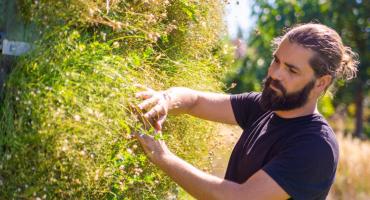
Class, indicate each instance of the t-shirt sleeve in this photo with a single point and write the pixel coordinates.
(246, 108)
(305, 168)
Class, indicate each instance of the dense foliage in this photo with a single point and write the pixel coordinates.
(66, 124)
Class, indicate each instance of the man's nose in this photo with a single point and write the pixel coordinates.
(276, 72)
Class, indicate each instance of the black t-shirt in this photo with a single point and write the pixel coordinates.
(300, 154)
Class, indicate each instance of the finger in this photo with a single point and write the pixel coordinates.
(162, 119)
(146, 142)
(142, 141)
(158, 124)
(157, 132)
(147, 138)
(148, 103)
(144, 94)
(155, 113)
(143, 87)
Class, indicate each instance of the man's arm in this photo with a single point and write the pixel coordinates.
(205, 105)
(205, 186)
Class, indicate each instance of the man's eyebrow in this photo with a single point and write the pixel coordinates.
(287, 64)
(292, 66)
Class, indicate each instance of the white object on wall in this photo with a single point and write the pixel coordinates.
(15, 48)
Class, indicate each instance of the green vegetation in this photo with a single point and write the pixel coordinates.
(66, 124)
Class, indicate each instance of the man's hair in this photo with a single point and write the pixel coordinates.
(331, 56)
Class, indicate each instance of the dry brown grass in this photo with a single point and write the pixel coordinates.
(353, 175)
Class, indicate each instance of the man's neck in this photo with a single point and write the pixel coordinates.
(307, 109)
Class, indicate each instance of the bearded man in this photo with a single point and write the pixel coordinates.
(287, 149)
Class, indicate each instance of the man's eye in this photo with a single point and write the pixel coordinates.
(292, 71)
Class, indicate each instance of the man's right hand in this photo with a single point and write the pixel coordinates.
(155, 106)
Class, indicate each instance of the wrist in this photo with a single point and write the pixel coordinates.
(168, 96)
(180, 99)
(166, 160)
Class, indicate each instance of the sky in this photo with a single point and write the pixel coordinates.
(237, 13)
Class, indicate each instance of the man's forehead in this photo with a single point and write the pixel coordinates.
(294, 54)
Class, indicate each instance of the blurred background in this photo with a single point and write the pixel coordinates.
(252, 24)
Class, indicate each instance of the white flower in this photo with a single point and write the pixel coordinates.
(116, 44)
(77, 118)
(82, 153)
(89, 110)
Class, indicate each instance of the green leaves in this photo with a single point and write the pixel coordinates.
(67, 104)
(188, 9)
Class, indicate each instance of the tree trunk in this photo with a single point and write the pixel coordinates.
(359, 110)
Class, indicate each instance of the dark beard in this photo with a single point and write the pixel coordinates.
(271, 100)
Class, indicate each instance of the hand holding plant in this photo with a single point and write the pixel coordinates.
(155, 106)
(156, 149)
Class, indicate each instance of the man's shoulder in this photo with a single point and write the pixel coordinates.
(306, 160)
(249, 94)
(315, 141)
(310, 132)
(317, 127)
(247, 97)
(246, 108)
(310, 124)
(316, 133)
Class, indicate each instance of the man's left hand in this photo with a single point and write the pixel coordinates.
(156, 150)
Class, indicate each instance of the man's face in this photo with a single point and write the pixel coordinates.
(290, 78)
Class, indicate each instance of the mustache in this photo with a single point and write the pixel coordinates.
(275, 83)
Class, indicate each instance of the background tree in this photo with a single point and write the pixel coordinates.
(350, 18)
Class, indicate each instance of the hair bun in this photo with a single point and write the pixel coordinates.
(348, 67)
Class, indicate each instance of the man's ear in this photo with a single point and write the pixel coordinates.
(323, 82)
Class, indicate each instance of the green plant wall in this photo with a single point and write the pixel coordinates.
(66, 122)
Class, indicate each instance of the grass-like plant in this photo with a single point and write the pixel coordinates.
(65, 120)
